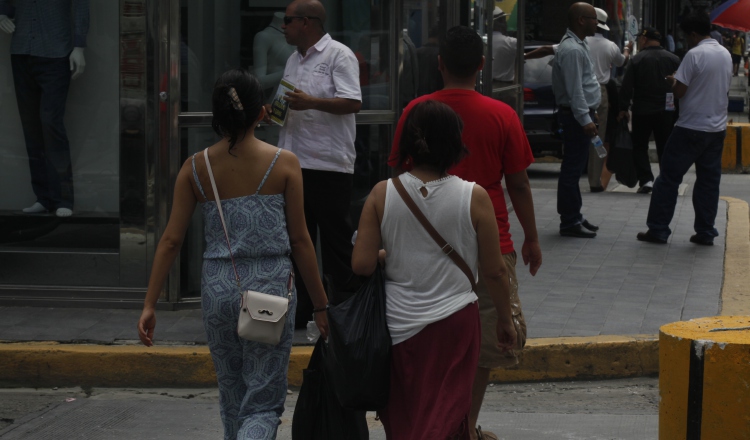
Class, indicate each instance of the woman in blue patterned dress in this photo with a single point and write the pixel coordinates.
(260, 188)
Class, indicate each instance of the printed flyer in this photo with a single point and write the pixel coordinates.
(279, 105)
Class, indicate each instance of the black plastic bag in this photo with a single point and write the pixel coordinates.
(318, 414)
(358, 362)
(620, 160)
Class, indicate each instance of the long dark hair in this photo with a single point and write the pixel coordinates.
(432, 136)
(229, 121)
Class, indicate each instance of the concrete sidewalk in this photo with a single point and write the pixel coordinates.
(593, 310)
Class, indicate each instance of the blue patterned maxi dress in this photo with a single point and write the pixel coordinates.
(252, 376)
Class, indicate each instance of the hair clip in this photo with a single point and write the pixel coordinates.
(423, 147)
(236, 103)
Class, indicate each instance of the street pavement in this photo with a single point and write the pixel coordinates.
(624, 409)
(609, 285)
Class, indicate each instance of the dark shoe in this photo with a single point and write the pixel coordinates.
(589, 226)
(577, 231)
(646, 236)
(698, 239)
(597, 189)
(646, 188)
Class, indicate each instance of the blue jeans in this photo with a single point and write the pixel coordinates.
(41, 86)
(684, 148)
(575, 160)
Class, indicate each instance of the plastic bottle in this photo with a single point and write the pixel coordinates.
(596, 141)
(312, 331)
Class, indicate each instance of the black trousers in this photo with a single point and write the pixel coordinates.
(327, 198)
(660, 124)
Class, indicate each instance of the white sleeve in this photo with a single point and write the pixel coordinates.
(346, 76)
(685, 71)
(618, 59)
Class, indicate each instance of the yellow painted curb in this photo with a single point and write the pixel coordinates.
(48, 364)
(41, 364)
(735, 293)
(45, 364)
(583, 358)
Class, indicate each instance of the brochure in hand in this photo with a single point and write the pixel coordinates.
(279, 105)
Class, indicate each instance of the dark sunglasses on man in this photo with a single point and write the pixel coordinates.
(289, 18)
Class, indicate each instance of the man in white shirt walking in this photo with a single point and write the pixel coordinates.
(702, 85)
(320, 130)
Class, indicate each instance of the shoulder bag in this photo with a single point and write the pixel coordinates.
(262, 315)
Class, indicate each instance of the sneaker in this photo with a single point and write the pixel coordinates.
(646, 188)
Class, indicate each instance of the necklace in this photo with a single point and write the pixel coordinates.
(274, 27)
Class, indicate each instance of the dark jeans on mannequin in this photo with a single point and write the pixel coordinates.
(685, 148)
(327, 198)
(660, 124)
(575, 160)
(41, 86)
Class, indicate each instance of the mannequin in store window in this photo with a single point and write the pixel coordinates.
(46, 49)
(270, 52)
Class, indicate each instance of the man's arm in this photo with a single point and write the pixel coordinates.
(539, 52)
(626, 91)
(572, 67)
(679, 89)
(519, 191)
(299, 100)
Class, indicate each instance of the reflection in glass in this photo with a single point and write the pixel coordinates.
(373, 145)
(504, 54)
(418, 51)
(270, 52)
(216, 36)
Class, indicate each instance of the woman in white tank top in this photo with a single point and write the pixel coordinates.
(430, 306)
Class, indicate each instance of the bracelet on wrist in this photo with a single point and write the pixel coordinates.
(322, 309)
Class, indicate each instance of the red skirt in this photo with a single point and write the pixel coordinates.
(431, 378)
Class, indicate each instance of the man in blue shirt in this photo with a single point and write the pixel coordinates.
(577, 94)
(46, 53)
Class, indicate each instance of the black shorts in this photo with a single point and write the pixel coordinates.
(736, 59)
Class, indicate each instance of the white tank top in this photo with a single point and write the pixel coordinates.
(423, 285)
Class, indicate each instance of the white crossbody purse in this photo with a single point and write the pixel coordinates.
(262, 316)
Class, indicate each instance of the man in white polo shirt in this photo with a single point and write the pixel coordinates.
(320, 130)
(702, 86)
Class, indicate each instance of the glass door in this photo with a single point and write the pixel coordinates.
(208, 38)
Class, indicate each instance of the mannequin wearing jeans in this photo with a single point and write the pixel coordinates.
(45, 55)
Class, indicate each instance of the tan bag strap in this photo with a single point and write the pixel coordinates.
(444, 245)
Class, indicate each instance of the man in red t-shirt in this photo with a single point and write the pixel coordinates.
(497, 146)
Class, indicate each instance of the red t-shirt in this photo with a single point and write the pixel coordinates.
(496, 141)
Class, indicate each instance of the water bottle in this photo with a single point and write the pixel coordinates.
(312, 331)
(596, 141)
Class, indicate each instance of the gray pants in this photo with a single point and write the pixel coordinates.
(596, 163)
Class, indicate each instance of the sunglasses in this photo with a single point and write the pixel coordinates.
(289, 18)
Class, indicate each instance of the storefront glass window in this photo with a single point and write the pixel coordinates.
(59, 149)
(217, 36)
